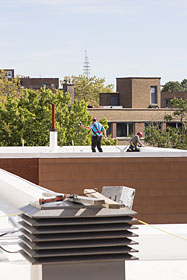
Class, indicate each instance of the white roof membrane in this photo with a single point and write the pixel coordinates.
(85, 151)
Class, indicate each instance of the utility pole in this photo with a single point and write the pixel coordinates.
(86, 66)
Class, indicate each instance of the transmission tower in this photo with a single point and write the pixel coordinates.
(86, 66)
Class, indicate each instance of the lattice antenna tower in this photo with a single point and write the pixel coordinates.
(86, 66)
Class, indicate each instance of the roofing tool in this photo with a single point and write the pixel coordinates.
(74, 198)
(122, 149)
(56, 198)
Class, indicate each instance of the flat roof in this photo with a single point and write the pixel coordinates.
(85, 152)
(133, 109)
(162, 251)
(139, 78)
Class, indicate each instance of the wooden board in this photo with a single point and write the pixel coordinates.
(109, 203)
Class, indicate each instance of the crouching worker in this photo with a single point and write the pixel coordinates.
(135, 143)
(97, 128)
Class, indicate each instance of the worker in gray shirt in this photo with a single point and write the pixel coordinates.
(135, 143)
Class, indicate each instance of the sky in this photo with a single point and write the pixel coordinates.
(134, 38)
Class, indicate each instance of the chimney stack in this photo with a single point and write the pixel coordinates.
(53, 132)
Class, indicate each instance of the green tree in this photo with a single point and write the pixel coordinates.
(171, 137)
(180, 105)
(28, 118)
(172, 86)
(88, 89)
(184, 84)
(9, 87)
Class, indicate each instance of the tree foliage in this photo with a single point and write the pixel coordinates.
(175, 86)
(181, 105)
(27, 117)
(9, 87)
(184, 84)
(171, 137)
(88, 89)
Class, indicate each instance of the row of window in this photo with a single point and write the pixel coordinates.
(126, 129)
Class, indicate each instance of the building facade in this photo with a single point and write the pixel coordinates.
(38, 83)
(167, 96)
(9, 73)
(136, 104)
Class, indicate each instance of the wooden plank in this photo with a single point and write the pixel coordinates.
(109, 203)
(87, 200)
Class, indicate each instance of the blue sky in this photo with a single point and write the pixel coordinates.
(137, 38)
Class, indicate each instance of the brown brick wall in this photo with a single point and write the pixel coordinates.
(160, 183)
(27, 168)
(37, 83)
(114, 126)
(135, 92)
(170, 95)
(104, 98)
(141, 92)
(124, 87)
(130, 115)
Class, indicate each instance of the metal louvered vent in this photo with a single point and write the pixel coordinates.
(69, 232)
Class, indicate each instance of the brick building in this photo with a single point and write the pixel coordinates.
(167, 96)
(9, 73)
(137, 103)
(37, 83)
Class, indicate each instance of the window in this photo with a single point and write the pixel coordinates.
(125, 129)
(9, 74)
(156, 124)
(109, 130)
(114, 100)
(153, 93)
(167, 102)
(173, 124)
(45, 85)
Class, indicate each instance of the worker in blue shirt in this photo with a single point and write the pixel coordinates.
(97, 129)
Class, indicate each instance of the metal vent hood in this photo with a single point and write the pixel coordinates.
(70, 232)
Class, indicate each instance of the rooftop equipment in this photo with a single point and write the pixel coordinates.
(75, 238)
(81, 236)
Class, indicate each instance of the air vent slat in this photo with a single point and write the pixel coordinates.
(76, 221)
(77, 236)
(76, 228)
(76, 259)
(76, 252)
(77, 244)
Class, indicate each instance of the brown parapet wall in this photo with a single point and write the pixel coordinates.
(26, 168)
(160, 182)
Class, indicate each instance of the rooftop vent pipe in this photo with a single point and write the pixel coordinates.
(53, 132)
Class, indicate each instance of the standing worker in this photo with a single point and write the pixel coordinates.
(135, 142)
(97, 129)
